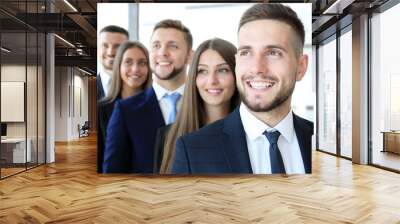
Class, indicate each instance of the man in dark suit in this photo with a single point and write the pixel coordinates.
(263, 135)
(110, 38)
(133, 125)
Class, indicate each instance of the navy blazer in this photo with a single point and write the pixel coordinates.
(159, 147)
(104, 111)
(100, 91)
(221, 147)
(131, 134)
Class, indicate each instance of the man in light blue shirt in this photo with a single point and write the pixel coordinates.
(132, 129)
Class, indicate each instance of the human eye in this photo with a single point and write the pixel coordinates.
(244, 52)
(142, 63)
(155, 46)
(223, 70)
(274, 53)
(173, 46)
(128, 62)
(201, 71)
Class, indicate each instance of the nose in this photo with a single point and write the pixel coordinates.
(212, 79)
(162, 51)
(135, 67)
(111, 51)
(258, 64)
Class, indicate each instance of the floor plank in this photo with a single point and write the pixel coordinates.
(70, 191)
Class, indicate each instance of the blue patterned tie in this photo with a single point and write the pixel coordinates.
(274, 153)
(171, 100)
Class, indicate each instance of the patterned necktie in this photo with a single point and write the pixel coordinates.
(171, 100)
(274, 153)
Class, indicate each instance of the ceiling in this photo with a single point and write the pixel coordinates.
(75, 21)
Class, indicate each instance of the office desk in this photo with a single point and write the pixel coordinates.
(13, 150)
(391, 141)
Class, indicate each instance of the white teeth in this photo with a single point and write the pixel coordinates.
(164, 63)
(260, 85)
(214, 90)
(134, 76)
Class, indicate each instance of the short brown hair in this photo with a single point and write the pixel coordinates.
(115, 29)
(275, 11)
(176, 24)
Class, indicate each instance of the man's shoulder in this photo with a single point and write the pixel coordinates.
(304, 123)
(204, 137)
(211, 131)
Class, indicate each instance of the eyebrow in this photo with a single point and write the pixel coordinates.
(272, 46)
(130, 58)
(216, 65)
(168, 42)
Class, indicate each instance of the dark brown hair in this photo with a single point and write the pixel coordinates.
(190, 115)
(115, 29)
(276, 11)
(178, 25)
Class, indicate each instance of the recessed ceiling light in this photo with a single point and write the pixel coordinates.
(64, 40)
(5, 49)
(70, 5)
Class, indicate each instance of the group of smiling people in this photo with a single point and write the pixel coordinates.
(216, 118)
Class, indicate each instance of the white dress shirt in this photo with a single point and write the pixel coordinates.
(105, 81)
(160, 93)
(258, 144)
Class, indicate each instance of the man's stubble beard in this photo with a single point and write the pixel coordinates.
(281, 98)
(175, 72)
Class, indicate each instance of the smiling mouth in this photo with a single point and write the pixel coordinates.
(260, 85)
(164, 63)
(214, 91)
(134, 76)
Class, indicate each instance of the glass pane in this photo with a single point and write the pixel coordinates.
(327, 97)
(41, 99)
(385, 86)
(346, 94)
(31, 97)
(13, 87)
(303, 101)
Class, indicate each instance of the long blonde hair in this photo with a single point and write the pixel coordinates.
(116, 81)
(189, 117)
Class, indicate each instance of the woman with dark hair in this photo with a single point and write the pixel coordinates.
(131, 75)
(210, 94)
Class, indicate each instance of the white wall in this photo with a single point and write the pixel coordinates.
(69, 85)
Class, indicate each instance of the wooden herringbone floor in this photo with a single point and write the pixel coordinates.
(70, 191)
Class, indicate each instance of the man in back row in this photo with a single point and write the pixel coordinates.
(263, 135)
(132, 129)
(110, 38)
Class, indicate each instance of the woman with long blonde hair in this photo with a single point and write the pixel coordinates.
(131, 75)
(210, 94)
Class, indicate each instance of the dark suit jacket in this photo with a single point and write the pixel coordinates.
(131, 134)
(104, 111)
(100, 91)
(221, 147)
(159, 147)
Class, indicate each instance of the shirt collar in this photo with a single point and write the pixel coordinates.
(105, 77)
(255, 128)
(161, 91)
